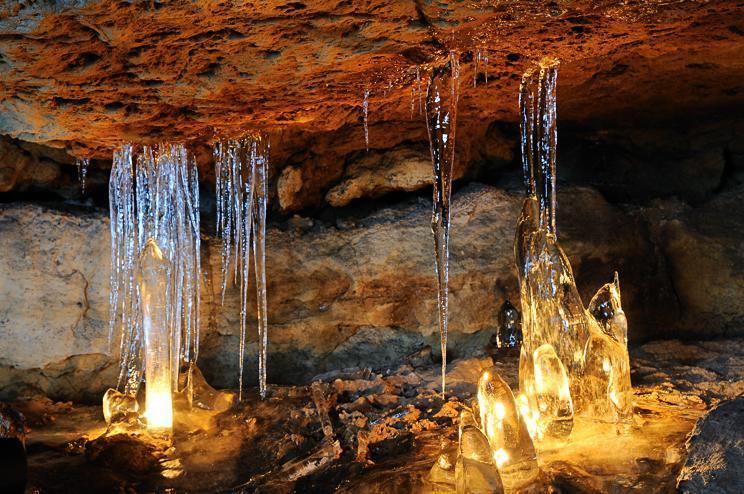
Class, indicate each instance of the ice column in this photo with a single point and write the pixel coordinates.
(441, 123)
(571, 360)
(241, 170)
(153, 284)
(155, 196)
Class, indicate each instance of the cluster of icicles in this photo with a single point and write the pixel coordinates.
(241, 168)
(154, 195)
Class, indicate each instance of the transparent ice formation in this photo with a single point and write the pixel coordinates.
(119, 407)
(241, 170)
(154, 277)
(510, 327)
(475, 470)
(154, 195)
(365, 111)
(441, 123)
(509, 439)
(82, 169)
(572, 359)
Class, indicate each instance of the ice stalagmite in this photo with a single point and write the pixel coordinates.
(506, 430)
(153, 285)
(441, 123)
(241, 169)
(565, 353)
(154, 196)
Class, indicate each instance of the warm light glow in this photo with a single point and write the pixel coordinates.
(499, 410)
(159, 409)
(500, 457)
(153, 280)
(530, 419)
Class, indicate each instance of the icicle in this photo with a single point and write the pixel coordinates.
(441, 122)
(260, 174)
(413, 95)
(475, 69)
(418, 89)
(82, 169)
(241, 168)
(365, 110)
(485, 65)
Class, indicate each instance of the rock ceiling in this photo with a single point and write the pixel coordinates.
(89, 75)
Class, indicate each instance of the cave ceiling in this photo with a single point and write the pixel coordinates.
(90, 75)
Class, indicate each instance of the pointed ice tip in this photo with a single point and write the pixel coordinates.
(152, 249)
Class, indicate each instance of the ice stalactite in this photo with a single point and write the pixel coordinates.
(82, 169)
(365, 111)
(476, 67)
(441, 123)
(154, 197)
(568, 363)
(241, 170)
(480, 62)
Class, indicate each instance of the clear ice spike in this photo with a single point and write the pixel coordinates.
(509, 439)
(365, 111)
(475, 470)
(154, 287)
(260, 188)
(441, 123)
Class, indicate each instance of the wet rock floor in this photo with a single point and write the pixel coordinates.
(365, 432)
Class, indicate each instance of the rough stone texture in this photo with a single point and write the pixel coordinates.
(372, 175)
(361, 292)
(388, 428)
(82, 74)
(715, 464)
(704, 248)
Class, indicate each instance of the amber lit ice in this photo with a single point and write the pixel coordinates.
(153, 285)
(509, 439)
(573, 360)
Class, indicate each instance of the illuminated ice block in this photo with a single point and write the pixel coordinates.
(153, 285)
(508, 436)
(574, 360)
(119, 407)
(475, 470)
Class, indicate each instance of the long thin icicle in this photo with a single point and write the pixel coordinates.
(365, 111)
(241, 168)
(441, 123)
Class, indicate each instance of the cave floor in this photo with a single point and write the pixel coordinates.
(360, 431)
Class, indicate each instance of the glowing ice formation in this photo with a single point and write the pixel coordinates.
(507, 433)
(441, 123)
(118, 407)
(154, 197)
(571, 360)
(476, 470)
(153, 285)
(241, 170)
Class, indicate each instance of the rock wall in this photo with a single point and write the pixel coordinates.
(362, 292)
